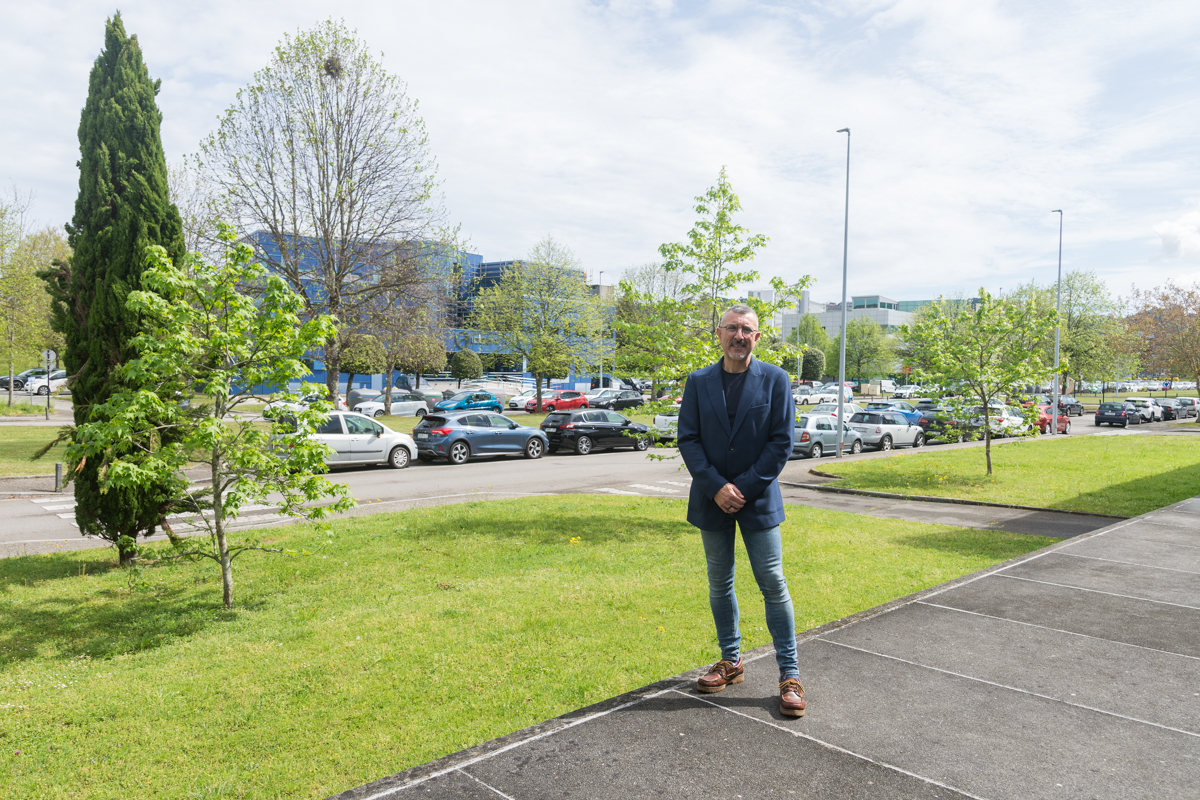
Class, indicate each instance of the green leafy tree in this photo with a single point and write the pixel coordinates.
(712, 256)
(812, 367)
(466, 366)
(809, 332)
(868, 351)
(325, 154)
(985, 353)
(122, 208)
(362, 354)
(1166, 324)
(175, 407)
(541, 310)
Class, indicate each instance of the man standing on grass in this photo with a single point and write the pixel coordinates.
(735, 435)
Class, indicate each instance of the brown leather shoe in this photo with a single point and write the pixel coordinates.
(791, 698)
(720, 675)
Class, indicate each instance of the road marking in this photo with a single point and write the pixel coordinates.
(66, 516)
(677, 483)
(652, 488)
(58, 507)
(619, 491)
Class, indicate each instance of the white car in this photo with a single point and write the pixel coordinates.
(1148, 407)
(404, 404)
(831, 409)
(905, 392)
(301, 403)
(518, 402)
(58, 378)
(829, 394)
(355, 439)
(666, 424)
(1003, 420)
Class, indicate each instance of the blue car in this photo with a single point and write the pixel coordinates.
(909, 411)
(470, 401)
(460, 436)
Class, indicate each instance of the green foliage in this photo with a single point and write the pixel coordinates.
(715, 249)
(122, 208)
(419, 353)
(24, 305)
(362, 354)
(812, 367)
(204, 341)
(541, 310)
(868, 351)
(983, 353)
(809, 333)
(465, 365)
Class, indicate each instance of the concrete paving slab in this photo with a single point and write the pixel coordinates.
(456, 785)
(673, 746)
(1191, 506)
(1131, 549)
(1127, 580)
(1159, 626)
(1149, 685)
(1187, 520)
(1182, 538)
(982, 739)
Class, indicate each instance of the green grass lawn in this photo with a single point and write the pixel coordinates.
(18, 443)
(402, 638)
(1125, 475)
(25, 408)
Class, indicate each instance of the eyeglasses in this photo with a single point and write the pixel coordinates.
(745, 330)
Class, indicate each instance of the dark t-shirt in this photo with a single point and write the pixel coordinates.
(732, 383)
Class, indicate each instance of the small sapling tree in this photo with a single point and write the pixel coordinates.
(203, 342)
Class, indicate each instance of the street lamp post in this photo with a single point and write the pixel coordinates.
(1057, 326)
(600, 296)
(842, 347)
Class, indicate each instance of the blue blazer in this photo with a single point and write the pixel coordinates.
(750, 454)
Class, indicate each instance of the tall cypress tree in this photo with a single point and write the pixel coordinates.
(123, 207)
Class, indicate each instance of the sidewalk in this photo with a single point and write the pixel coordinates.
(1071, 672)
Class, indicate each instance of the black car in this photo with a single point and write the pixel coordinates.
(585, 430)
(1170, 408)
(1122, 414)
(1070, 406)
(21, 378)
(613, 399)
(939, 423)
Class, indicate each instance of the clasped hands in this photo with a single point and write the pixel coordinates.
(729, 499)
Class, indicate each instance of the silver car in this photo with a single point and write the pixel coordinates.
(884, 430)
(354, 439)
(815, 435)
(404, 404)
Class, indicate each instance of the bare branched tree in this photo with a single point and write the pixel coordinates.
(324, 163)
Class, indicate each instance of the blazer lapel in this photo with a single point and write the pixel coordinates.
(749, 395)
(716, 396)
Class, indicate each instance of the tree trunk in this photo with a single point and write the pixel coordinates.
(538, 383)
(219, 529)
(987, 440)
(387, 390)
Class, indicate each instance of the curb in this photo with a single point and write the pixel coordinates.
(924, 498)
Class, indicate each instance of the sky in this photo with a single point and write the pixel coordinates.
(599, 122)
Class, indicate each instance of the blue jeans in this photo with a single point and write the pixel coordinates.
(765, 549)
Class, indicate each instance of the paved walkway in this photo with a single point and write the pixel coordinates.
(1072, 672)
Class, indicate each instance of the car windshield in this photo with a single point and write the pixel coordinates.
(1112, 407)
(461, 396)
(869, 419)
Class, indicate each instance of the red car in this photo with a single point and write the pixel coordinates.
(1043, 423)
(558, 401)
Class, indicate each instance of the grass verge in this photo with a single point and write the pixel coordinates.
(1124, 475)
(18, 443)
(404, 637)
(24, 409)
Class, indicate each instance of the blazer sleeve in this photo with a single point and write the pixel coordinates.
(778, 448)
(687, 433)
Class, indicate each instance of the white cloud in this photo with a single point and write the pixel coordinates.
(1180, 237)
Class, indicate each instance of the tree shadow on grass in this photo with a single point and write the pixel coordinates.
(560, 525)
(123, 622)
(1139, 495)
(993, 545)
(34, 569)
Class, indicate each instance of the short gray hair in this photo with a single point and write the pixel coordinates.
(740, 308)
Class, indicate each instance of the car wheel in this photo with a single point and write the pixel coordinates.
(919, 441)
(378, 413)
(497, 409)
(583, 445)
(534, 448)
(817, 451)
(1098, 423)
(421, 412)
(398, 459)
(43, 390)
(548, 409)
(642, 443)
(460, 453)
(885, 443)
(856, 448)
(1067, 428)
